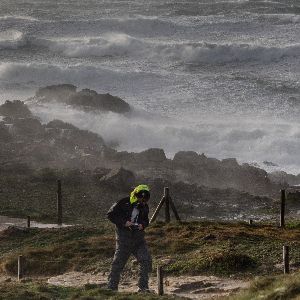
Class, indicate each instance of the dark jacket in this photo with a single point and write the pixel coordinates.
(121, 211)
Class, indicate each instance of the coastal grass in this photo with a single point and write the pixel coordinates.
(271, 288)
(41, 290)
(194, 248)
(33, 193)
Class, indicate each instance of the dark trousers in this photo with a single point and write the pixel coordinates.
(127, 243)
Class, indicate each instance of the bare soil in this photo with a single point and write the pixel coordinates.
(192, 287)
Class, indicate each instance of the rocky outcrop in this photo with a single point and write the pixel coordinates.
(120, 179)
(62, 145)
(91, 100)
(27, 127)
(15, 109)
(284, 178)
(56, 92)
(57, 144)
(85, 99)
(192, 168)
(4, 134)
(58, 124)
(152, 155)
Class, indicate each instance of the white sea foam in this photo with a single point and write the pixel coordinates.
(17, 18)
(12, 39)
(227, 53)
(280, 18)
(119, 44)
(110, 44)
(162, 63)
(256, 140)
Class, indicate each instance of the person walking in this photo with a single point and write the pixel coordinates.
(130, 215)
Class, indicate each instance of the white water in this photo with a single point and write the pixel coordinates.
(221, 78)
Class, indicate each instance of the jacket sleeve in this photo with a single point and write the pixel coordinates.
(116, 215)
(145, 220)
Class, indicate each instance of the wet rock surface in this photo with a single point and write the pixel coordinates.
(85, 99)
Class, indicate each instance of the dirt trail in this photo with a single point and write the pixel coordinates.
(5, 222)
(193, 287)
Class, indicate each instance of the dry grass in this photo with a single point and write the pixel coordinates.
(187, 248)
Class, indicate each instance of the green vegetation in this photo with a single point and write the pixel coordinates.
(40, 290)
(195, 248)
(188, 248)
(272, 288)
(24, 192)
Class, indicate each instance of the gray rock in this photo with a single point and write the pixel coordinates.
(60, 124)
(120, 179)
(86, 99)
(27, 127)
(151, 155)
(15, 109)
(91, 100)
(56, 92)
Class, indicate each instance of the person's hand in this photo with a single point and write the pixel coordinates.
(128, 224)
(141, 227)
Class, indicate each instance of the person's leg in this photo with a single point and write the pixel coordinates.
(145, 265)
(121, 256)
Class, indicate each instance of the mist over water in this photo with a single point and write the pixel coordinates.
(217, 77)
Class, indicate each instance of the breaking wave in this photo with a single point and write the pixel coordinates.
(12, 39)
(120, 44)
(113, 44)
(228, 53)
(17, 18)
(280, 19)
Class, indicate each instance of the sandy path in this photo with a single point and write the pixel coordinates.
(193, 287)
(5, 222)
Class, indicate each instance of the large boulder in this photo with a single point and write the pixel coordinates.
(4, 134)
(58, 124)
(83, 139)
(91, 100)
(186, 157)
(120, 179)
(15, 109)
(281, 177)
(230, 163)
(85, 99)
(56, 92)
(29, 127)
(155, 155)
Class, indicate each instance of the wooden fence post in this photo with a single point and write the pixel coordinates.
(28, 221)
(153, 218)
(166, 199)
(250, 222)
(174, 209)
(59, 203)
(282, 208)
(160, 281)
(20, 267)
(286, 260)
(167, 207)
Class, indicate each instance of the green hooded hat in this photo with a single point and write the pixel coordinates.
(141, 187)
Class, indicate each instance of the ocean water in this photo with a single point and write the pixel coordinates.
(218, 77)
